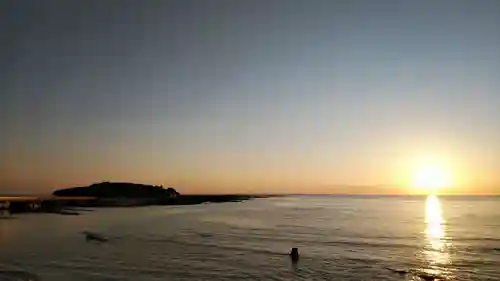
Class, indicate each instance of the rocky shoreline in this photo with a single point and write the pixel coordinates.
(68, 206)
(70, 200)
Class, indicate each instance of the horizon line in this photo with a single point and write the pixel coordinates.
(44, 195)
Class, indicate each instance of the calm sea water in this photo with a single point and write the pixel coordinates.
(339, 238)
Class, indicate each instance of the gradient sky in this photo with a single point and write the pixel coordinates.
(248, 96)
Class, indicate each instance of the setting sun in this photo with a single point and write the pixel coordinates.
(431, 177)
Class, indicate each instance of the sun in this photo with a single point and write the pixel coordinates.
(431, 177)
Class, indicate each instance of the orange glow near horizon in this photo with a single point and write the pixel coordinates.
(401, 174)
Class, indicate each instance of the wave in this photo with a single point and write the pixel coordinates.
(423, 275)
(495, 250)
(306, 240)
(184, 242)
(210, 241)
(477, 239)
(372, 245)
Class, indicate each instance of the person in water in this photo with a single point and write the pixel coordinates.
(294, 254)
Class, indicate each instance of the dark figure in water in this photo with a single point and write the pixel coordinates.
(294, 255)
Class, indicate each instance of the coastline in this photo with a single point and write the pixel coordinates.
(70, 206)
(66, 201)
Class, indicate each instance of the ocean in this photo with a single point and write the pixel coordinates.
(338, 238)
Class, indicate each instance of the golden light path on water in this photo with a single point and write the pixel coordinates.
(437, 243)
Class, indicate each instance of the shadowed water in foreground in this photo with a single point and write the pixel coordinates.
(339, 238)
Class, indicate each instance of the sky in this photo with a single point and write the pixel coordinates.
(258, 96)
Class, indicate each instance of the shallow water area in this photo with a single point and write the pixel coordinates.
(338, 237)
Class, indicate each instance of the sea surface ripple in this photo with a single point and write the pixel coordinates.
(339, 238)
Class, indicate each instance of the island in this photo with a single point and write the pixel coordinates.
(110, 194)
(134, 194)
(70, 201)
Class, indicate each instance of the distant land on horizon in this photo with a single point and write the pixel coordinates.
(118, 189)
(124, 189)
(111, 194)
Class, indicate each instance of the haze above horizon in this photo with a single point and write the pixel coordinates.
(251, 96)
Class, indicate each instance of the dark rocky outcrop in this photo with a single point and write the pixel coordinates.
(110, 194)
(119, 190)
(131, 194)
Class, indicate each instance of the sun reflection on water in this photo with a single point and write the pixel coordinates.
(437, 243)
(434, 223)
